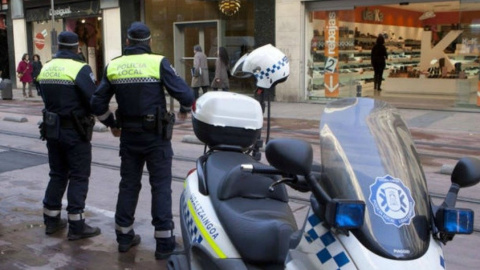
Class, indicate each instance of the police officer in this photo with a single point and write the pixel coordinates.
(67, 85)
(137, 79)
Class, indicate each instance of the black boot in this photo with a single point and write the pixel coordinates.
(78, 229)
(165, 248)
(54, 224)
(124, 247)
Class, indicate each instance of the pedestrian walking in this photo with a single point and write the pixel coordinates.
(200, 76)
(36, 67)
(67, 85)
(222, 70)
(378, 59)
(137, 80)
(24, 73)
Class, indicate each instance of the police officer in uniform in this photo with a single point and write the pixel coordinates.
(67, 85)
(137, 79)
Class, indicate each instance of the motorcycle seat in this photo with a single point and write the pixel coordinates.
(258, 222)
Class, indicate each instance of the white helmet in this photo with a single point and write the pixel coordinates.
(268, 64)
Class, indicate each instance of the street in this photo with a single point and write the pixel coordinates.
(24, 176)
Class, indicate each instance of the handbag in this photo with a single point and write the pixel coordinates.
(19, 75)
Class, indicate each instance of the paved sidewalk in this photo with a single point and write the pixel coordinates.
(429, 114)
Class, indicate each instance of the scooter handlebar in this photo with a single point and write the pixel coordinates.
(259, 168)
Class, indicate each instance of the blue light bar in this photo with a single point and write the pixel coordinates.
(457, 221)
(346, 214)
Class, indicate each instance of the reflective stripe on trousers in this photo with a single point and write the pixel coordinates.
(51, 213)
(123, 230)
(75, 217)
(163, 234)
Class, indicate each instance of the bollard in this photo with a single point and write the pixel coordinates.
(18, 119)
(359, 90)
(6, 87)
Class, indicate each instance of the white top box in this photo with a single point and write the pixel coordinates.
(226, 109)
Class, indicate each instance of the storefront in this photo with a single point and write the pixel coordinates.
(433, 49)
(83, 18)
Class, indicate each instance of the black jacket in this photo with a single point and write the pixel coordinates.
(62, 93)
(139, 96)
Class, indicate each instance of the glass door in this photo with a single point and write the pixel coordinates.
(469, 50)
(208, 34)
(330, 63)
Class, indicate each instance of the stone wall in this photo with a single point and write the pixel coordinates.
(289, 39)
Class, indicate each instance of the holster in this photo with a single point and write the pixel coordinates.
(83, 125)
(42, 127)
(50, 126)
(168, 121)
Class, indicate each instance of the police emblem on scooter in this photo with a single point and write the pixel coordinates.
(392, 201)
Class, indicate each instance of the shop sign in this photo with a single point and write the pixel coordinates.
(39, 41)
(372, 15)
(60, 12)
(332, 41)
(78, 9)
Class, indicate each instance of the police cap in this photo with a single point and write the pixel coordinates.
(67, 38)
(138, 31)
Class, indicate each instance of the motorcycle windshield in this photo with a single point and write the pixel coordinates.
(368, 154)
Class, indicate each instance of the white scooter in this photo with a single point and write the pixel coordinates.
(370, 207)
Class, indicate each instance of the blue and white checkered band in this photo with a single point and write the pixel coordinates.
(192, 229)
(331, 253)
(139, 39)
(260, 74)
(62, 82)
(392, 201)
(134, 80)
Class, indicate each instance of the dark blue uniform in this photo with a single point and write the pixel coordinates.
(67, 85)
(137, 80)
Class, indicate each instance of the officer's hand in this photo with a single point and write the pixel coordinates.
(182, 116)
(116, 132)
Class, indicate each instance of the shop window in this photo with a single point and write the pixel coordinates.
(237, 32)
(436, 43)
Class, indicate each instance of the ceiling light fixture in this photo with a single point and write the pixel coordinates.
(427, 15)
(229, 7)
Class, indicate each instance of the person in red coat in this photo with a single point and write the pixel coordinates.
(24, 71)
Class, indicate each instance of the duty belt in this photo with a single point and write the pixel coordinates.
(137, 123)
(66, 123)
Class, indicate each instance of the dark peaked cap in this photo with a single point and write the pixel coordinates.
(138, 31)
(67, 38)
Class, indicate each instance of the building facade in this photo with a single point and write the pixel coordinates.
(432, 45)
(176, 27)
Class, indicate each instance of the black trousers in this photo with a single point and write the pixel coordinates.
(378, 76)
(196, 90)
(70, 159)
(136, 150)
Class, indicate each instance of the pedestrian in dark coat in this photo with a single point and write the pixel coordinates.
(378, 58)
(221, 70)
(37, 66)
